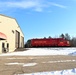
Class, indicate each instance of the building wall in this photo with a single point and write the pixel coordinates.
(9, 26)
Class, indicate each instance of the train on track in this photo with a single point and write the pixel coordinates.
(47, 42)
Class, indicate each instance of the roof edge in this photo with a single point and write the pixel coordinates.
(6, 16)
(19, 26)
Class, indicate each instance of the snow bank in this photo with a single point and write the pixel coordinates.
(62, 72)
(73, 54)
(43, 51)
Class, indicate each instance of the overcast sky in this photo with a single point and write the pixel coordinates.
(42, 18)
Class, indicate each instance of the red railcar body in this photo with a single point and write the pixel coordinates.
(48, 42)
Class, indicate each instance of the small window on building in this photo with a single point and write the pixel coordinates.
(7, 45)
(3, 48)
(3, 45)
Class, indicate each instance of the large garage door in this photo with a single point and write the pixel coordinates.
(17, 39)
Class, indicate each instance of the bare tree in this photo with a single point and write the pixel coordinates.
(73, 42)
(67, 37)
(62, 35)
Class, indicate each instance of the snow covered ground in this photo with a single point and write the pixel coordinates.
(43, 51)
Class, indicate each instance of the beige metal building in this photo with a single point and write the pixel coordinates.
(11, 36)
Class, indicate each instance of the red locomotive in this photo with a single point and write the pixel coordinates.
(48, 42)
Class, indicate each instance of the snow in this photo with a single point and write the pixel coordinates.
(60, 61)
(24, 64)
(14, 63)
(30, 64)
(17, 58)
(74, 53)
(43, 51)
(62, 72)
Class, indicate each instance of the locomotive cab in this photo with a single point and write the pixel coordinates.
(64, 43)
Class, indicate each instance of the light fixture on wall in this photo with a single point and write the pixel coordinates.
(13, 31)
